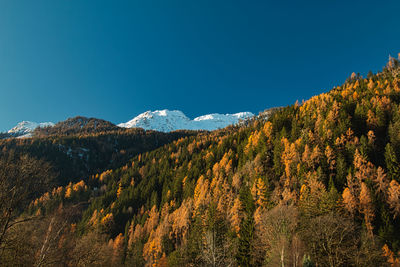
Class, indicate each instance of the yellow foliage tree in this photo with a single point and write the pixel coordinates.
(152, 220)
(68, 192)
(201, 192)
(394, 197)
(391, 259)
(180, 220)
(349, 201)
(260, 192)
(236, 215)
(119, 190)
(367, 207)
(330, 156)
(381, 182)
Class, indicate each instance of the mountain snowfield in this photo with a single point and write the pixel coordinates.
(172, 120)
(25, 128)
(159, 120)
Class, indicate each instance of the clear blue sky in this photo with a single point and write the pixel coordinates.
(116, 59)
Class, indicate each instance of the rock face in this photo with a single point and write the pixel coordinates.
(171, 120)
(26, 128)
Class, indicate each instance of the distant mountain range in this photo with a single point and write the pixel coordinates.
(159, 120)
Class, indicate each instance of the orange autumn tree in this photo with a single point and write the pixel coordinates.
(366, 207)
(394, 197)
(259, 192)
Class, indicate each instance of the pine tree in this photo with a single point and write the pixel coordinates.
(243, 256)
(392, 164)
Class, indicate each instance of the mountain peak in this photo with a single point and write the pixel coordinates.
(162, 113)
(25, 128)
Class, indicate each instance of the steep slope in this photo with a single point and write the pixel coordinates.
(324, 174)
(167, 121)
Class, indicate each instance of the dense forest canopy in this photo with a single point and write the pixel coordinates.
(315, 184)
(76, 125)
(77, 152)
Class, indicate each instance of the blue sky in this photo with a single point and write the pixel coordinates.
(116, 59)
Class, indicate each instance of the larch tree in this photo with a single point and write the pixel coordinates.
(381, 182)
(366, 207)
(394, 197)
(349, 201)
(235, 215)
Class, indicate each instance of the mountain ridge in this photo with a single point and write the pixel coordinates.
(171, 120)
(159, 120)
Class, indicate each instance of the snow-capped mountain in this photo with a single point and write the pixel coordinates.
(217, 121)
(159, 120)
(171, 120)
(26, 128)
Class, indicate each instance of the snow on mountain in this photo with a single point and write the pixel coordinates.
(160, 120)
(26, 128)
(217, 121)
(171, 120)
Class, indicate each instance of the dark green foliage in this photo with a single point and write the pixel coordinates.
(246, 228)
(392, 164)
(307, 262)
(78, 156)
(77, 125)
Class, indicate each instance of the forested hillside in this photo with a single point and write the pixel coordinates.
(315, 184)
(76, 125)
(77, 152)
